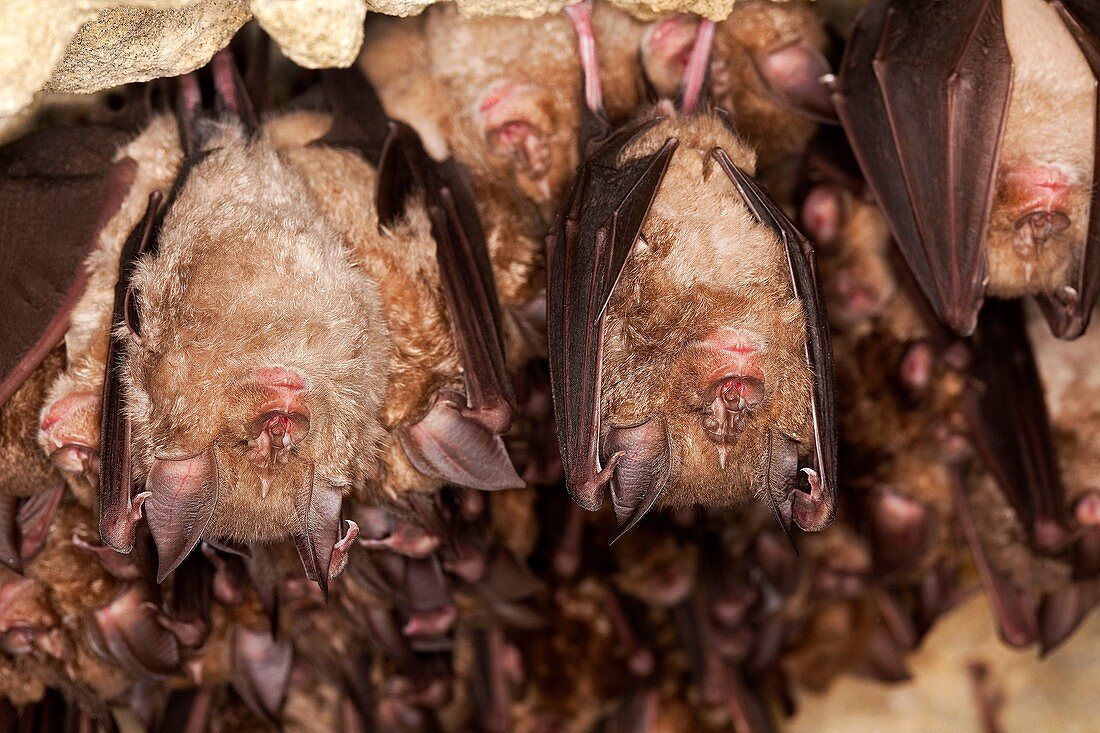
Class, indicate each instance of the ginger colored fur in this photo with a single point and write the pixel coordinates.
(703, 264)
(434, 72)
(251, 275)
(423, 357)
(157, 155)
(1050, 124)
(23, 468)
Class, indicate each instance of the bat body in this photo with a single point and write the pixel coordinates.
(702, 333)
(981, 148)
(242, 419)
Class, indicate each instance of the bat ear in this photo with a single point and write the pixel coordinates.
(324, 553)
(182, 496)
(260, 672)
(452, 447)
(797, 76)
(642, 467)
(129, 631)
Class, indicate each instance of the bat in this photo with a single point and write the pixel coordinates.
(765, 71)
(978, 142)
(279, 383)
(511, 117)
(685, 372)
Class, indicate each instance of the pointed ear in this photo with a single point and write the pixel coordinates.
(318, 532)
(260, 672)
(642, 460)
(451, 447)
(182, 498)
(792, 75)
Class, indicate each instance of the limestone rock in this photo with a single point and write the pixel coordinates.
(315, 34)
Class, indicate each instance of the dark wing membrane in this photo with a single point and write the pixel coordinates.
(360, 122)
(1009, 423)
(358, 119)
(117, 515)
(1068, 313)
(813, 511)
(58, 188)
(470, 293)
(922, 94)
(602, 218)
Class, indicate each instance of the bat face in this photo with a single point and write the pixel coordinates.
(1039, 218)
(764, 70)
(704, 338)
(260, 365)
(858, 282)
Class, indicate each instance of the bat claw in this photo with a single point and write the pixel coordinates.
(338, 562)
(587, 492)
(812, 511)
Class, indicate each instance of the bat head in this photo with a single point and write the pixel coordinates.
(858, 282)
(704, 336)
(259, 365)
(765, 70)
(527, 133)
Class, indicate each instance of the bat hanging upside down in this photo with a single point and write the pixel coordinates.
(288, 337)
(975, 125)
(690, 354)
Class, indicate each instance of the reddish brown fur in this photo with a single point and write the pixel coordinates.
(701, 265)
(23, 469)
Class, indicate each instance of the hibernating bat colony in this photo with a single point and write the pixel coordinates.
(490, 384)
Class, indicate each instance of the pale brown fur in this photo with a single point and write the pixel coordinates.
(702, 264)
(249, 275)
(1050, 124)
(423, 357)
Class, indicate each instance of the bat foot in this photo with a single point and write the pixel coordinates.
(812, 511)
(406, 539)
(580, 15)
(338, 561)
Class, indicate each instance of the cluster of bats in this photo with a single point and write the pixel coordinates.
(302, 405)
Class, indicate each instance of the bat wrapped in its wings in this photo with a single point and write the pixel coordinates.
(976, 126)
(689, 352)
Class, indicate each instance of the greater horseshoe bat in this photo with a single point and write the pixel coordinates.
(500, 94)
(689, 354)
(765, 71)
(975, 125)
(396, 347)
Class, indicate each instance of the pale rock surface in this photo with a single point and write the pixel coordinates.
(1057, 693)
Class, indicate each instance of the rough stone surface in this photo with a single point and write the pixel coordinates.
(125, 44)
(314, 33)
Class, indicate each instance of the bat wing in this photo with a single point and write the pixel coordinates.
(58, 188)
(360, 122)
(815, 510)
(118, 513)
(602, 218)
(922, 94)
(1010, 426)
(1068, 312)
